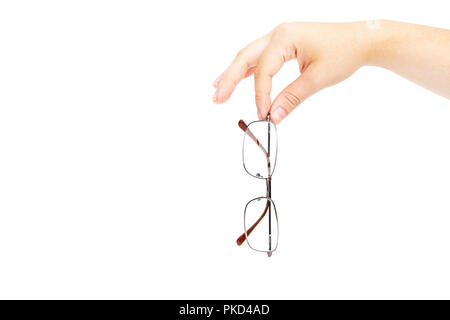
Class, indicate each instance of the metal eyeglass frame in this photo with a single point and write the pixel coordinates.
(268, 197)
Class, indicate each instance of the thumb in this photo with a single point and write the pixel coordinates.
(295, 93)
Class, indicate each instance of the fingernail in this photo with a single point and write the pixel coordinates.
(278, 115)
(215, 96)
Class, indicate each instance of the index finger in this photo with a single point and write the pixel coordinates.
(269, 64)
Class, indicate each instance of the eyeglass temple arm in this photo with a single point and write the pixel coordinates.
(243, 236)
(245, 128)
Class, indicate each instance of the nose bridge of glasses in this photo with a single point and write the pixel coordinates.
(269, 187)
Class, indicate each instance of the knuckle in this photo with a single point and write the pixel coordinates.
(259, 99)
(240, 56)
(258, 96)
(292, 99)
(281, 29)
(280, 34)
(230, 80)
(282, 26)
(258, 73)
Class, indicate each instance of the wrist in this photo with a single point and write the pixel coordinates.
(380, 43)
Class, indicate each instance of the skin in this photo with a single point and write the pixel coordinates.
(328, 53)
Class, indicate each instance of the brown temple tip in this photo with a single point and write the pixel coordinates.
(242, 125)
(241, 239)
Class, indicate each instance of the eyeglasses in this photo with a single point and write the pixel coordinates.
(259, 156)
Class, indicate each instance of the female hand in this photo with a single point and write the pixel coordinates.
(328, 53)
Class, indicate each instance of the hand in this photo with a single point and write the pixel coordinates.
(327, 53)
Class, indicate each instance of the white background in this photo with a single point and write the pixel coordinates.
(119, 178)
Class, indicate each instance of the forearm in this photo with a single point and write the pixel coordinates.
(418, 53)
